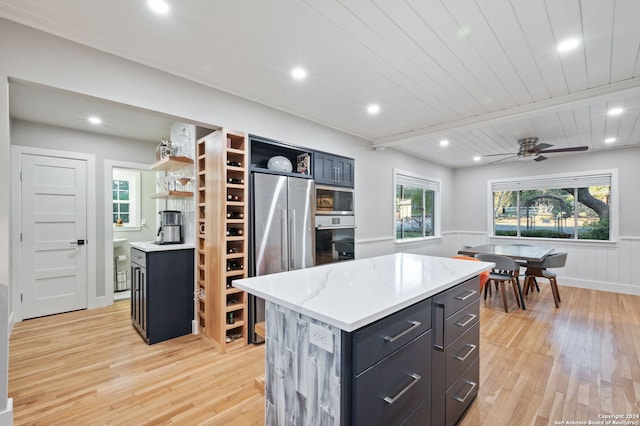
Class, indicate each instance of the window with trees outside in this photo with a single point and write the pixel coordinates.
(417, 203)
(574, 206)
(126, 198)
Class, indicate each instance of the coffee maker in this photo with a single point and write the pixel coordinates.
(170, 231)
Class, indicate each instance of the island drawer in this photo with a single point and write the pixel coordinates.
(462, 393)
(372, 343)
(461, 321)
(391, 390)
(461, 353)
(459, 296)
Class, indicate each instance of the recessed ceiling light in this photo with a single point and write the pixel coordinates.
(298, 73)
(568, 44)
(160, 7)
(373, 109)
(615, 111)
(463, 31)
(95, 120)
(609, 140)
(477, 158)
(444, 142)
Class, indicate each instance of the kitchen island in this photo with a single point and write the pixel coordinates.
(369, 341)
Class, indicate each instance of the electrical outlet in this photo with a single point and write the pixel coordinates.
(321, 337)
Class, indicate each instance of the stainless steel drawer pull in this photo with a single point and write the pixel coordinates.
(471, 318)
(414, 324)
(416, 378)
(473, 386)
(469, 352)
(469, 294)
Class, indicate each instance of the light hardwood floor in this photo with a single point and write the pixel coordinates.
(537, 367)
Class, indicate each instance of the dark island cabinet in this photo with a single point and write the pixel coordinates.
(331, 169)
(419, 366)
(162, 293)
(456, 346)
(390, 379)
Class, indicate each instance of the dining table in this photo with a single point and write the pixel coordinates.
(529, 253)
(514, 251)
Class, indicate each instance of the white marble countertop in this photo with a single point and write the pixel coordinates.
(148, 246)
(352, 294)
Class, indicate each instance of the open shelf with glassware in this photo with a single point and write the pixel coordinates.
(222, 242)
(171, 164)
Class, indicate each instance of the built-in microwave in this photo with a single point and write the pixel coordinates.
(334, 200)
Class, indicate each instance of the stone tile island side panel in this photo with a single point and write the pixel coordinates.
(302, 379)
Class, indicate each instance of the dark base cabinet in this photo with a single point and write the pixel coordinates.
(419, 366)
(456, 346)
(162, 293)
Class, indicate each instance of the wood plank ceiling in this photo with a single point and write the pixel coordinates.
(479, 73)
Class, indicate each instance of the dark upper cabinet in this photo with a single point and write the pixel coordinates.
(333, 169)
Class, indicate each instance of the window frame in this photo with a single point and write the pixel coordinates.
(133, 177)
(425, 183)
(529, 182)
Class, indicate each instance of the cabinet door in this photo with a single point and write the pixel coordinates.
(333, 170)
(322, 168)
(345, 172)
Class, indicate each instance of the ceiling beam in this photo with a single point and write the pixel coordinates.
(624, 88)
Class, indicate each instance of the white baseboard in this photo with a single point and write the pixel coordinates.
(6, 416)
(601, 286)
(11, 323)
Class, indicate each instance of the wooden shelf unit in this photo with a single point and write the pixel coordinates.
(222, 193)
(172, 194)
(171, 163)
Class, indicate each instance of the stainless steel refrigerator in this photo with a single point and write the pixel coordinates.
(282, 231)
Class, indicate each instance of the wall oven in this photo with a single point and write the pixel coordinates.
(334, 238)
(334, 201)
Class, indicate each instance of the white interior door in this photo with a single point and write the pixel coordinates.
(54, 227)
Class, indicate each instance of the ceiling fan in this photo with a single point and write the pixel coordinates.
(529, 147)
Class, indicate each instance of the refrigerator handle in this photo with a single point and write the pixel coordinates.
(283, 239)
(293, 240)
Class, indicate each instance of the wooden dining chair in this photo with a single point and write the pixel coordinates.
(523, 265)
(541, 270)
(504, 271)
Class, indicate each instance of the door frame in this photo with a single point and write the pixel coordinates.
(16, 226)
(108, 226)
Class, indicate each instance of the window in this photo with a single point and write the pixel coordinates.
(417, 206)
(126, 199)
(576, 206)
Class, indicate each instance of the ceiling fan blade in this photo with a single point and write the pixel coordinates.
(542, 146)
(540, 158)
(503, 159)
(495, 155)
(571, 149)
